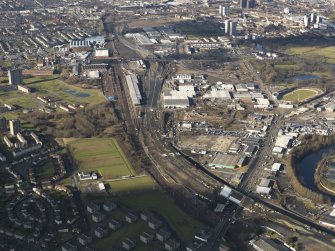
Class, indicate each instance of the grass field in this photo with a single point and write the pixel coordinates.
(55, 87)
(183, 225)
(328, 52)
(102, 155)
(134, 185)
(197, 29)
(300, 95)
(287, 67)
(46, 170)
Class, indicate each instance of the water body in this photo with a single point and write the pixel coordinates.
(299, 78)
(307, 167)
(78, 94)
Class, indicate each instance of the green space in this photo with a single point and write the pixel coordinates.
(103, 155)
(133, 185)
(14, 97)
(132, 231)
(326, 51)
(45, 170)
(55, 87)
(197, 29)
(182, 223)
(299, 95)
(287, 67)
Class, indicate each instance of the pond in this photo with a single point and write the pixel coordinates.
(78, 94)
(307, 167)
(299, 78)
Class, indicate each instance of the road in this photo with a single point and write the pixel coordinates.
(255, 167)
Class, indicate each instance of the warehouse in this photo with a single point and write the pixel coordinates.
(134, 91)
(217, 94)
(227, 161)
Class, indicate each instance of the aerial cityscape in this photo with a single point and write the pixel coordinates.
(190, 125)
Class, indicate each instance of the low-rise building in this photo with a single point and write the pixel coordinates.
(109, 206)
(100, 232)
(98, 217)
(146, 237)
(171, 245)
(128, 244)
(114, 225)
(131, 218)
(163, 234)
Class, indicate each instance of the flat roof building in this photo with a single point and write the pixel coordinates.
(134, 91)
(227, 161)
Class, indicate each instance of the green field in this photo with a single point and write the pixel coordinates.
(134, 185)
(46, 170)
(328, 52)
(197, 29)
(49, 86)
(300, 95)
(287, 67)
(182, 224)
(53, 86)
(103, 155)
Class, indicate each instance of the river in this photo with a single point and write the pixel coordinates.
(307, 166)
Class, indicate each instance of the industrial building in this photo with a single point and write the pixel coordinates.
(267, 245)
(216, 93)
(134, 91)
(179, 98)
(227, 161)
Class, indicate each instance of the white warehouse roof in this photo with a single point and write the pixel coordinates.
(134, 92)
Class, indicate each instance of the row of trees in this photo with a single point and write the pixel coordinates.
(310, 144)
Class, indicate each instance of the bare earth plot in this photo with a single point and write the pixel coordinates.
(206, 142)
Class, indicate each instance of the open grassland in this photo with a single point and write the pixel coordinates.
(328, 52)
(182, 224)
(53, 86)
(14, 97)
(102, 155)
(287, 67)
(300, 95)
(46, 170)
(132, 185)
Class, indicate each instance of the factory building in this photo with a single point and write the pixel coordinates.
(179, 98)
(227, 161)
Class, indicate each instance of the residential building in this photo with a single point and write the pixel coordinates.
(14, 127)
(15, 77)
(3, 124)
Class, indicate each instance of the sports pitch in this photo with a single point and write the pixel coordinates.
(102, 155)
(300, 95)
